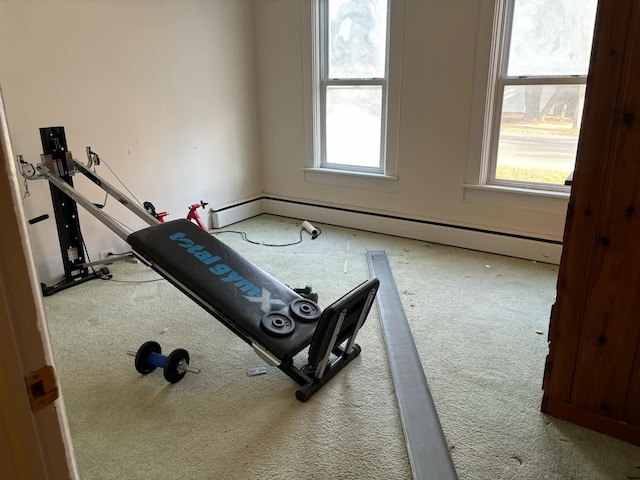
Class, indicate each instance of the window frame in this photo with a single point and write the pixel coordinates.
(316, 169)
(498, 81)
(325, 82)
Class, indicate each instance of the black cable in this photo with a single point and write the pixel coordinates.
(136, 282)
(247, 239)
(121, 182)
(86, 252)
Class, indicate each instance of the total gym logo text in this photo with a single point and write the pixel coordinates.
(226, 274)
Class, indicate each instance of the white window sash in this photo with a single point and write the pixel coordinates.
(498, 80)
(315, 104)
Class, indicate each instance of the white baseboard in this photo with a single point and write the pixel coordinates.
(512, 246)
(230, 214)
(493, 242)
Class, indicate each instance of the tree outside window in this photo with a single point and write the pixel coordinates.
(538, 92)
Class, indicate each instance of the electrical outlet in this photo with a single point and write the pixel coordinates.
(105, 254)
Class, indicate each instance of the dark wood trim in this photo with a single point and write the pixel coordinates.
(584, 418)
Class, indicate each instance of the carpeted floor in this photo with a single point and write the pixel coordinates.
(476, 320)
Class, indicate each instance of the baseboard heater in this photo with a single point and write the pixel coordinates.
(502, 243)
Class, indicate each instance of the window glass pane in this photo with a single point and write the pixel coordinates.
(353, 125)
(357, 38)
(539, 130)
(551, 37)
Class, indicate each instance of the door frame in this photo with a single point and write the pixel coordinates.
(35, 444)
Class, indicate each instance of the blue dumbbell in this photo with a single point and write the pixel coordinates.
(175, 365)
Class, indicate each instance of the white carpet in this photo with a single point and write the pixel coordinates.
(474, 317)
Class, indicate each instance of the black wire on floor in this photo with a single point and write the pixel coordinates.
(247, 239)
(109, 278)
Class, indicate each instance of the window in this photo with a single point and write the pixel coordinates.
(355, 90)
(536, 96)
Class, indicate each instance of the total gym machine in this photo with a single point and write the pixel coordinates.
(276, 321)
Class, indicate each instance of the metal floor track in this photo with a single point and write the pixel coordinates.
(428, 449)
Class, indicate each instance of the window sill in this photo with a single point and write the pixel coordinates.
(514, 197)
(344, 178)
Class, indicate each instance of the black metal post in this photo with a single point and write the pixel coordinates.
(59, 160)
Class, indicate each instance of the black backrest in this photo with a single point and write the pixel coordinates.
(355, 302)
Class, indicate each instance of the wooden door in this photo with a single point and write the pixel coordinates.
(592, 375)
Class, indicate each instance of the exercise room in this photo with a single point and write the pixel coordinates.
(319, 239)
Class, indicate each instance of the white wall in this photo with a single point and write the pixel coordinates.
(203, 100)
(164, 91)
(444, 64)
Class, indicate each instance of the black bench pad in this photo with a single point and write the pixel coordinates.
(230, 287)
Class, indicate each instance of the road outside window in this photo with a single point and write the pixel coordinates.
(539, 90)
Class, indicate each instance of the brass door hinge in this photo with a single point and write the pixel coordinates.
(42, 387)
